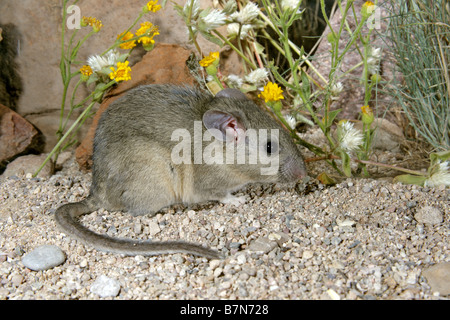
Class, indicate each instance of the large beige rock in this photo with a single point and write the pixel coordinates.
(17, 135)
(29, 164)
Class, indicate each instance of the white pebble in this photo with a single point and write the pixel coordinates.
(44, 257)
(154, 228)
(105, 287)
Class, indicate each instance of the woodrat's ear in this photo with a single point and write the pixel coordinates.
(224, 126)
(231, 93)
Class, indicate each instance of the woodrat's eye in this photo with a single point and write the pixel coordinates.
(269, 147)
(272, 147)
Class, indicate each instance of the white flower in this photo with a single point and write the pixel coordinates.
(234, 81)
(350, 139)
(257, 77)
(233, 30)
(336, 90)
(97, 63)
(247, 15)
(373, 60)
(291, 121)
(289, 4)
(213, 20)
(195, 8)
(440, 175)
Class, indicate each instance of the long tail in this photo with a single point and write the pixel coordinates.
(67, 215)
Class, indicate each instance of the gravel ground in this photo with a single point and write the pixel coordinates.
(359, 239)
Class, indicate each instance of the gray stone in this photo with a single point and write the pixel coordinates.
(429, 215)
(44, 257)
(262, 244)
(438, 277)
(105, 287)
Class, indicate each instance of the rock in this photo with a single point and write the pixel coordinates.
(263, 245)
(105, 287)
(307, 254)
(44, 257)
(17, 135)
(438, 277)
(388, 136)
(164, 64)
(153, 228)
(16, 280)
(28, 165)
(428, 215)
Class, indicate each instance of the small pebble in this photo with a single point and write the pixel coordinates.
(44, 257)
(17, 280)
(262, 244)
(105, 287)
(429, 215)
(336, 240)
(154, 228)
(307, 254)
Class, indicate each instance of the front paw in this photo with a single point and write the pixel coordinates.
(235, 201)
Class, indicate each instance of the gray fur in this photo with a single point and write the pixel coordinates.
(133, 170)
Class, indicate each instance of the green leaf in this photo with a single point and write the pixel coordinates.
(123, 57)
(410, 179)
(331, 116)
(346, 164)
(62, 67)
(303, 119)
(306, 85)
(211, 38)
(439, 156)
(92, 79)
(325, 179)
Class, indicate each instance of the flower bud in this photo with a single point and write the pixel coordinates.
(331, 37)
(211, 69)
(367, 9)
(276, 106)
(375, 78)
(367, 115)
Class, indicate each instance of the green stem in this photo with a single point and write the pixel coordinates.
(241, 54)
(72, 107)
(64, 138)
(293, 46)
(118, 41)
(191, 32)
(372, 163)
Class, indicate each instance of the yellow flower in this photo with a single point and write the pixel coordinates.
(127, 44)
(122, 73)
(86, 70)
(152, 6)
(97, 25)
(367, 9)
(93, 22)
(367, 115)
(271, 92)
(206, 61)
(366, 109)
(150, 30)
